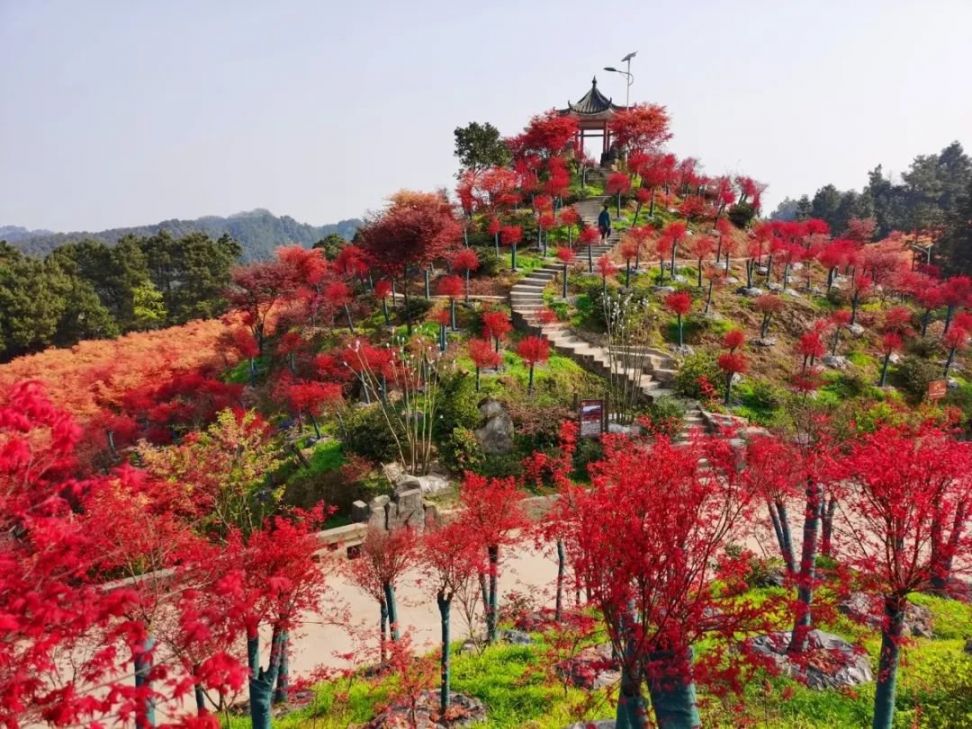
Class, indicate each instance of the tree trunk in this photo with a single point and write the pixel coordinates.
(781, 526)
(262, 680)
(477, 379)
(530, 383)
(590, 259)
(884, 370)
(631, 711)
(561, 564)
(513, 258)
(467, 287)
(627, 273)
(827, 514)
(496, 243)
(408, 312)
(948, 362)
(764, 327)
(700, 274)
(728, 387)
(887, 678)
(679, 329)
(283, 674)
(565, 280)
(444, 665)
(493, 613)
(389, 589)
(808, 557)
(384, 310)
(317, 428)
(383, 635)
(673, 691)
(428, 287)
(452, 313)
(708, 297)
(142, 660)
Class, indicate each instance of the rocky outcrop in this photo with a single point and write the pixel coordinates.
(829, 661)
(867, 609)
(495, 436)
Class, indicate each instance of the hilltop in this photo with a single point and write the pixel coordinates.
(258, 231)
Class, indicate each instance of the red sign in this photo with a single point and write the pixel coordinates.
(591, 418)
(937, 389)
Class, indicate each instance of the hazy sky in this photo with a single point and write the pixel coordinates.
(128, 112)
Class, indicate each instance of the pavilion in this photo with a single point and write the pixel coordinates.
(593, 111)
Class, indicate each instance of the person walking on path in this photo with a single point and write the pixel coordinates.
(604, 223)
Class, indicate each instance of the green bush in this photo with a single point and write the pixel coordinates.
(913, 375)
(764, 395)
(589, 450)
(458, 404)
(666, 415)
(368, 435)
(417, 308)
(694, 367)
(741, 214)
(461, 450)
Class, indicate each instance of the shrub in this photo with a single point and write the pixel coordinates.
(417, 308)
(588, 451)
(741, 214)
(913, 375)
(764, 395)
(665, 416)
(458, 404)
(367, 434)
(694, 367)
(489, 263)
(461, 450)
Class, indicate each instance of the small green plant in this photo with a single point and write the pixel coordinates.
(696, 366)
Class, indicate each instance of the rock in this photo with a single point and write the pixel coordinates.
(793, 292)
(360, 511)
(663, 289)
(752, 291)
(868, 610)
(619, 429)
(855, 329)
(516, 637)
(463, 711)
(378, 512)
(431, 484)
(731, 280)
(829, 661)
(592, 668)
(683, 350)
(495, 436)
(765, 342)
(407, 509)
(835, 362)
(774, 286)
(393, 471)
(894, 358)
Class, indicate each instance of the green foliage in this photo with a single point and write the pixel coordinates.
(331, 244)
(418, 307)
(741, 214)
(366, 433)
(461, 450)
(913, 375)
(692, 368)
(480, 145)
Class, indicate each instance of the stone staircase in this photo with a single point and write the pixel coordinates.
(526, 298)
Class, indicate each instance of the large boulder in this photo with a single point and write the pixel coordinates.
(829, 661)
(430, 484)
(867, 609)
(495, 436)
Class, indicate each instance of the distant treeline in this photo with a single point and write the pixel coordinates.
(90, 290)
(935, 194)
(259, 233)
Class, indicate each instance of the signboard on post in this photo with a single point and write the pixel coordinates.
(937, 389)
(591, 416)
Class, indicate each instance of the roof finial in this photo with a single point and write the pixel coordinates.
(594, 82)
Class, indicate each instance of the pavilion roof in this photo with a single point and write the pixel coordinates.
(591, 103)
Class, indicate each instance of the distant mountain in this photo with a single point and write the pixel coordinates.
(258, 231)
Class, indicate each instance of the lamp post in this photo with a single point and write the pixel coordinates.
(627, 74)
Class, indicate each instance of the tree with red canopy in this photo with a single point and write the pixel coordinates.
(630, 247)
(589, 237)
(679, 303)
(490, 515)
(956, 339)
(450, 561)
(905, 488)
(674, 231)
(511, 235)
(617, 183)
(256, 291)
(533, 351)
(767, 305)
(643, 541)
(384, 558)
(482, 354)
(891, 342)
(465, 261)
(310, 398)
(703, 246)
(566, 257)
(496, 325)
(452, 287)
(956, 293)
(414, 230)
(642, 127)
(568, 218)
(546, 135)
(606, 267)
(382, 289)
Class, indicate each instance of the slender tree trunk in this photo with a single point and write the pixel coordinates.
(590, 259)
(477, 379)
(631, 711)
(679, 329)
(282, 691)
(887, 678)
(836, 341)
(949, 312)
(452, 313)
(807, 575)
(384, 310)
(428, 287)
(884, 369)
(530, 382)
(769, 267)
(948, 362)
(262, 680)
(142, 660)
(383, 636)
(781, 526)
(627, 273)
(700, 274)
(855, 300)
(764, 328)
(513, 258)
(925, 321)
(827, 514)
(317, 428)
(561, 566)
(565, 281)
(496, 243)
(200, 697)
(708, 297)
(492, 613)
(408, 312)
(672, 691)
(445, 662)
(728, 388)
(389, 589)
(467, 287)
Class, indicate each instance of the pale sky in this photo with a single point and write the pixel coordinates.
(126, 112)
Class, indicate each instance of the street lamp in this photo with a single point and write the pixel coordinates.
(627, 74)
